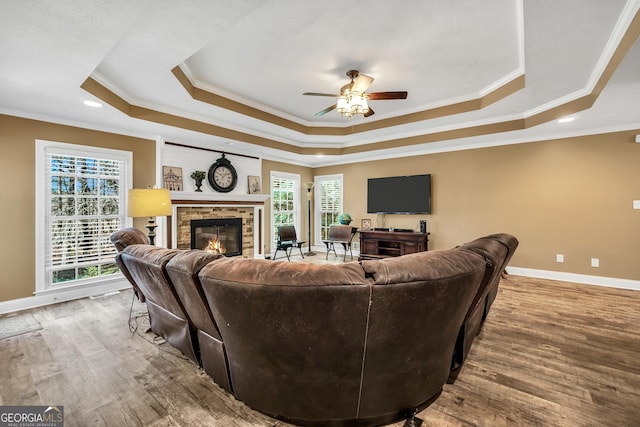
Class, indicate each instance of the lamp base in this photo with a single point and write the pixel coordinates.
(151, 226)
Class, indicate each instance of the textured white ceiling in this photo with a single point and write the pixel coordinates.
(267, 53)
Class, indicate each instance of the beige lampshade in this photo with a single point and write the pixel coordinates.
(149, 202)
(309, 187)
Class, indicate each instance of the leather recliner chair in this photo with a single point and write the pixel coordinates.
(121, 239)
(183, 271)
(497, 250)
(167, 315)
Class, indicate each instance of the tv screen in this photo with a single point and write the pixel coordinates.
(399, 195)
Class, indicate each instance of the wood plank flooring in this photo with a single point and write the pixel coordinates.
(550, 354)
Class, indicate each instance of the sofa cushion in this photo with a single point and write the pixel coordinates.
(419, 302)
(183, 270)
(294, 334)
(498, 250)
(146, 264)
(419, 267)
(265, 272)
(128, 236)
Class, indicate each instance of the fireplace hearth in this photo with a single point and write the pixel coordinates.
(219, 235)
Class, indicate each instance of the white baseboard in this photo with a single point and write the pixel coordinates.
(67, 294)
(610, 282)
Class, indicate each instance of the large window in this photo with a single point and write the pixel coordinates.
(285, 202)
(328, 206)
(81, 201)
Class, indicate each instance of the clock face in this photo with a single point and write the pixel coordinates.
(223, 176)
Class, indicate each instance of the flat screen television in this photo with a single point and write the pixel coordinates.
(399, 195)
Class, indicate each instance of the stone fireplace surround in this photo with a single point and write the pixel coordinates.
(188, 206)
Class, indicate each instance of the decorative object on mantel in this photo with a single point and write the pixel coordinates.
(172, 177)
(222, 175)
(198, 176)
(254, 185)
(345, 219)
(366, 225)
(149, 202)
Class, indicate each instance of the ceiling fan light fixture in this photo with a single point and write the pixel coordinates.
(352, 104)
(353, 99)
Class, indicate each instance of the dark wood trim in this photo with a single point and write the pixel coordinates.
(169, 231)
(211, 149)
(216, 202)
(258, 229)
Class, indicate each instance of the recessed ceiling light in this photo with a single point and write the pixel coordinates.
(566, 119)
(319, 156)
(93, 104)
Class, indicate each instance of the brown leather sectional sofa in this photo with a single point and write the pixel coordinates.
(359, 343)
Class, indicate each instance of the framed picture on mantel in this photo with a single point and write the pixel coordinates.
(365, 225)
(254, 185)
(172, 178)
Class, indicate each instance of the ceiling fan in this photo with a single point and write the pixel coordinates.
(352, 99)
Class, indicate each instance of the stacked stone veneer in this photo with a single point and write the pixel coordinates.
(186, 214)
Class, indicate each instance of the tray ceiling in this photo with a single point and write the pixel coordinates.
(212, 73)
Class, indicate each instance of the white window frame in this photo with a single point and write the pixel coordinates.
(296, 204)
(317, 206)
(42, 202)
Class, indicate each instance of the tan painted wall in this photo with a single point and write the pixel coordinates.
(17, 211)
(570, 196)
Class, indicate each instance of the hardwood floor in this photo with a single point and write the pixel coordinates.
(550, 354)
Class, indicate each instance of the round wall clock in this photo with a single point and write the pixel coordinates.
(222, 175)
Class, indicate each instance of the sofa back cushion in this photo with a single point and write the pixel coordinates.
(128, 236)
(418, 304)
(486, 246)
(294, 333)
(146, 264)
(497, 249)
(183, 270)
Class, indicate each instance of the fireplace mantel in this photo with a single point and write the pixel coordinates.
(190, 197)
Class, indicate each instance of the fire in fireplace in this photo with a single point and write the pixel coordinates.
(220, 235)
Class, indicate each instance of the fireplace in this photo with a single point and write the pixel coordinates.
(220, 235)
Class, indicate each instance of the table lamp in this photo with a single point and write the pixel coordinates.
(149, 202)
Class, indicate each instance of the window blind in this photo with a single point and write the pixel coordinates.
(85, 196)
(284, 203)
(330, 206)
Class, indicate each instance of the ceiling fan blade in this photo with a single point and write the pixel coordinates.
(361, 83)
(320, 94)
(326, 110)
(369, 113)
(387, 95)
